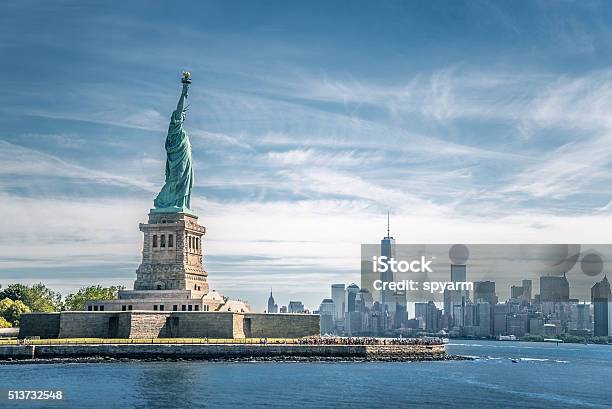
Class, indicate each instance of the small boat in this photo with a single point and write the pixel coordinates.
(507, 338)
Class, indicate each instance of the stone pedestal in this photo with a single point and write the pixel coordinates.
(172, 254)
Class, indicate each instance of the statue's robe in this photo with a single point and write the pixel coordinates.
(176, 192)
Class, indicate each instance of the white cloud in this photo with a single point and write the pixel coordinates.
(445, 94)
(567, 170)
(45, 233)
(149, 119)
(581, 106)
(576, 103)
(217, 138)
(61, 140)
(22, 161)
(316, 158)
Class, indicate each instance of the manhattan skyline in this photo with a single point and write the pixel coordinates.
(307, 124)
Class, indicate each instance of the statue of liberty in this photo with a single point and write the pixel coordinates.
(175, 195)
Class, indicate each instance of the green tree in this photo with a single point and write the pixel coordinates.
(11, 310)
(37, 297)
(4, 323)
(76, 301)
(14, 292)
(533, 338)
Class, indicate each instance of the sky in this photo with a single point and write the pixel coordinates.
(472, 122)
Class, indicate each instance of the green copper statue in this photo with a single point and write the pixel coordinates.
(175, 195)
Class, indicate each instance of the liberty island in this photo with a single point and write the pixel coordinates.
(172, 299)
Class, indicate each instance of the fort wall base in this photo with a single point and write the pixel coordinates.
(225, 351)
(150, 324)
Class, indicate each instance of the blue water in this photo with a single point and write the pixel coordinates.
(545, 376)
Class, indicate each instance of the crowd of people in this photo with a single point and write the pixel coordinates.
(368, 341)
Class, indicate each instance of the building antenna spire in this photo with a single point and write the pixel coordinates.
(388, 225)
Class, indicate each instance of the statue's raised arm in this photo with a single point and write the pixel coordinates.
(175, 195)
(180, 112)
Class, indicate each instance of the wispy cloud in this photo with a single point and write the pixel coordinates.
(20, 161)
(317, 158)
(581, 107)
(456, 92)
(567, 170)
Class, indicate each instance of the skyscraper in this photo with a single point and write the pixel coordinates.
(272, 307)
(327, 313)
(364, 301)
(485, 290)
(600, 295)
(609, 316)
(351, 294)
(420, 310)
(458, 273)
(296, 307)
(516, 292)
(500, 311)
(483, 318)
(429, 313)
(400, 315)
(454, 300)
(484, 298)
(338, 294)
(523, 292)
(583, 317)
(434, 316)
(387, 249)
(554, 289)
(527, 289)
